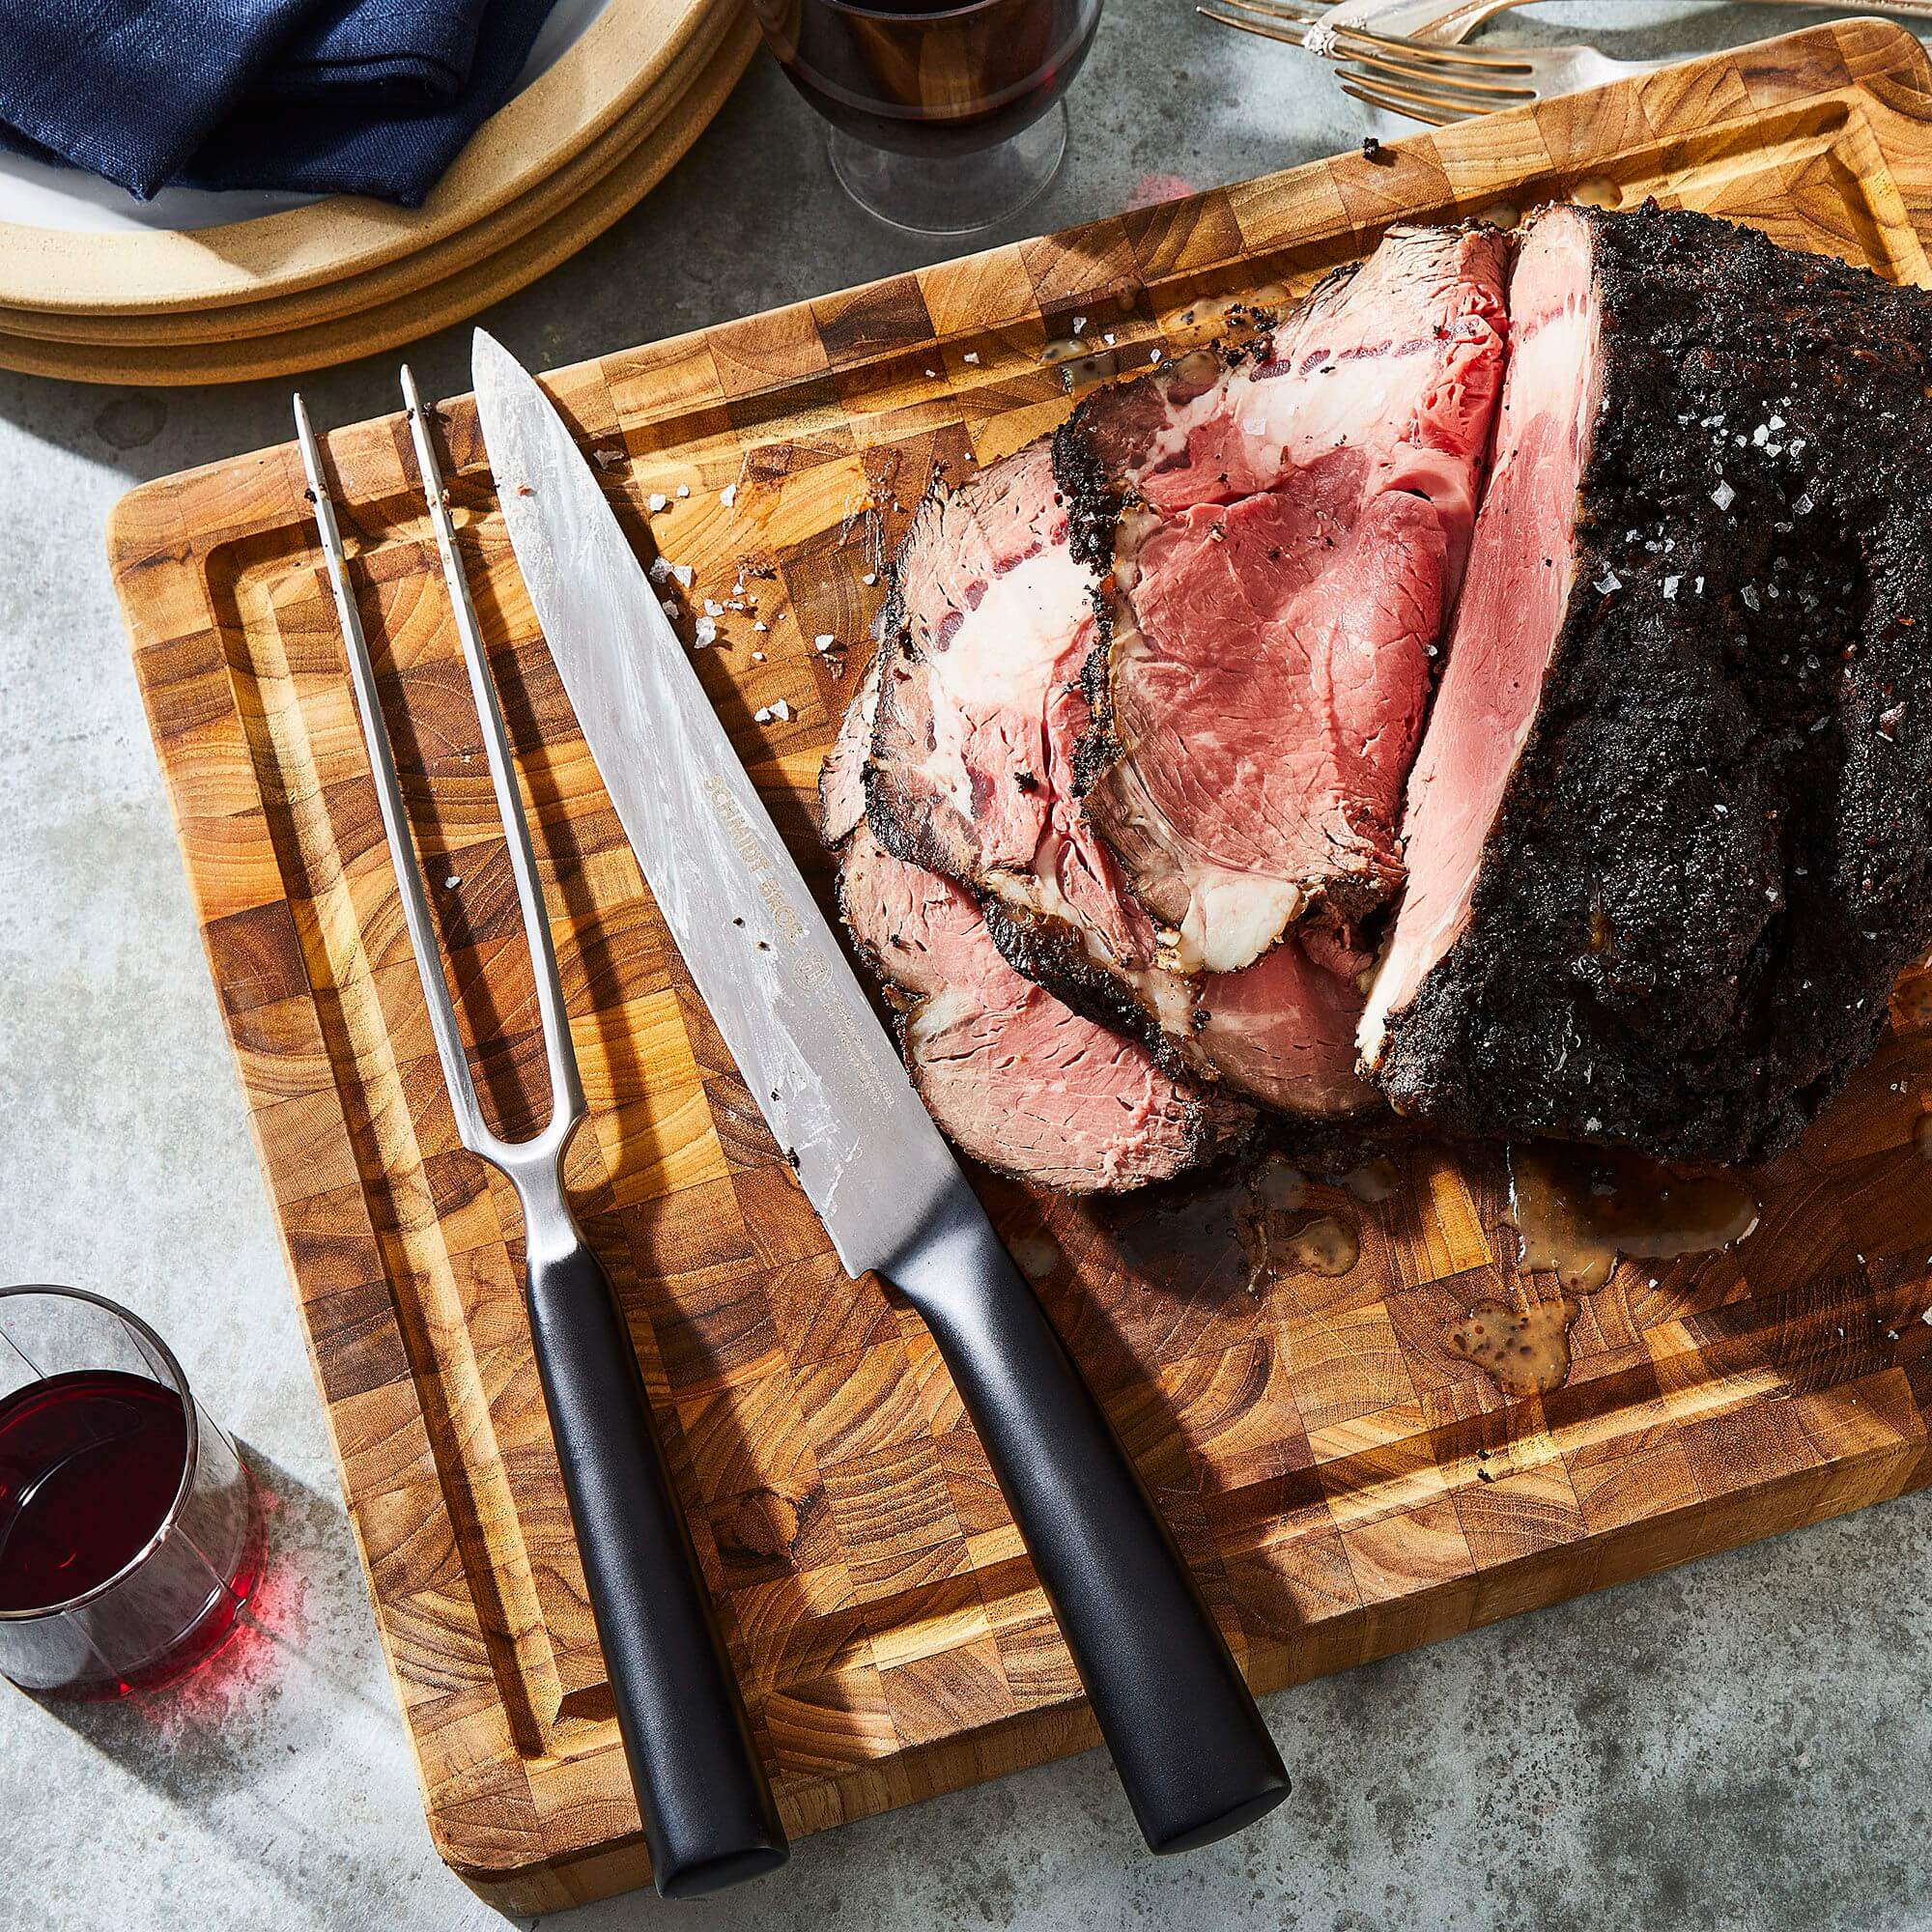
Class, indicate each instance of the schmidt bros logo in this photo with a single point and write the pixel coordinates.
(811, 968)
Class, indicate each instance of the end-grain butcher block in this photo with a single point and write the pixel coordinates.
(1287, 526)
(1017, 1079)
(1669, 833)
(972, 775)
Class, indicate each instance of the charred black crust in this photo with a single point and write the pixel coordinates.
(905, 831)
(1715, 854)
(1092, 496)
(1099, 747)
(1094, 501)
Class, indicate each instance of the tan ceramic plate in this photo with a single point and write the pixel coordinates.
(413, 312)
(677, 102)
(521, 157)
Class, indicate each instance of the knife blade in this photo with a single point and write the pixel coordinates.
(778, 984)
(1190, 1746)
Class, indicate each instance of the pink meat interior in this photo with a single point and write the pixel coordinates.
(982, 728)
(1311, 517)
(1513, 595)
(1016, 1078)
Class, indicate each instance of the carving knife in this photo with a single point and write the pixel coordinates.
(1187, 1738)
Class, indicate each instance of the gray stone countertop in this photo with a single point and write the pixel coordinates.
(1746, 1743)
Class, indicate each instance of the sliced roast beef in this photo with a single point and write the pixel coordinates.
(1015, 1078)
(1669, 835)
(972, 775)
(1287, 526)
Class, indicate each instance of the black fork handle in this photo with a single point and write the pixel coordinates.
(1187, 1738)
(708, 1814)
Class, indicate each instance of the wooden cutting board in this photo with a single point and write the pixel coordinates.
(1345, 1484)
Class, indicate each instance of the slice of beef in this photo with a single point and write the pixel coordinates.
(1287, 526)
(1015, 1078)
(1669, 835)
(972, 775)
(841, 779)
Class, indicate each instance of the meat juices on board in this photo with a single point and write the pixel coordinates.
(1577, 1213)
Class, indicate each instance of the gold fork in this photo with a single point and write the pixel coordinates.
(1422, 80)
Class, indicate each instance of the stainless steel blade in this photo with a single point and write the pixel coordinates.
(786, 1001)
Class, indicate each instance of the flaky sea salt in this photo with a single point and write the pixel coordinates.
(728, 495)
(707, 631)
(1723, 495)
(656, 502)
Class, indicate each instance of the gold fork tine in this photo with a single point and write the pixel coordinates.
(1398, 100)
(1497, 60)
(1419, 72)
(1299, 12)
(1292, 37)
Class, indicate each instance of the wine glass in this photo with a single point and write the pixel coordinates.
(944, 119)
(129, 1536)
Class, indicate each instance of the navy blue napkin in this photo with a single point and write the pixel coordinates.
(417, 51)
(323, 96)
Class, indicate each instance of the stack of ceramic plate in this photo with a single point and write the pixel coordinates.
(209, 288)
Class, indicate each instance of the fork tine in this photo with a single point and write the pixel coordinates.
(1483, 94)
(566, 1090)
(470, 1127)
(1302, 13)
(1497, 60)
(1434, 113)
(1289, 37)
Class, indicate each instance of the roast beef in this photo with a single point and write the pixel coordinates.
(1019, 1080)
(1669, 833)
(990, 620)
(1286, 524)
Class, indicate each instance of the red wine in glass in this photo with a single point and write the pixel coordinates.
(89, 1462)
(939, 114)
(129, 1537)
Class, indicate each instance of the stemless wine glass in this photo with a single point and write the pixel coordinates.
(944, 118)
(129, 1538)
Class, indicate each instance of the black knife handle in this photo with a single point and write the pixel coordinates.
(1187, 1737)
(708, 1813)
